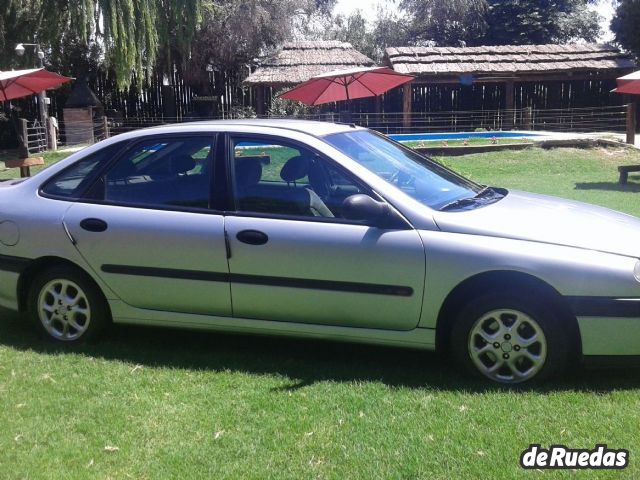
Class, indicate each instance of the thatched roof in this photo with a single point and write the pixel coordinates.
(299, 61)
(506, 60)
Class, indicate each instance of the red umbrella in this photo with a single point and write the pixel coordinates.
(346, 85)
(629, 83)
(22, 83)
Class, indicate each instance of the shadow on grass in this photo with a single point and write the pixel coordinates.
(631, 187)
(304, 362)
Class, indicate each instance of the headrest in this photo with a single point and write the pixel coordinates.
(295, 169)
(182, 164)
(248, 172)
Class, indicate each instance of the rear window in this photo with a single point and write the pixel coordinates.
(71, 182)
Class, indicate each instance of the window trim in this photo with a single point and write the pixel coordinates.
(164, 208)
(294, 218)
(133, 143)
(233, 210)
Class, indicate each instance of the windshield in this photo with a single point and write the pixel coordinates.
(425, 180)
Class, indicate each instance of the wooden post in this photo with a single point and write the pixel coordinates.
(52, 133)
(528, 118)
(631, 122)
(105, 125)
(378, 103)
(508, 103)
(406, 104)
(24, 132)
(260, 106)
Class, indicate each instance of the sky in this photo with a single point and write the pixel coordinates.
(369, 7)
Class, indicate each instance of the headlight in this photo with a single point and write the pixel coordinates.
(636, 270)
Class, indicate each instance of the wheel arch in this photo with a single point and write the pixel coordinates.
(493, 281)
(39, 265)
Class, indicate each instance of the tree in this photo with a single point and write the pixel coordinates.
(451, 22)
(390, 29)
(178, 21)
(233, 34)
(522, 22)
(501, 22)
(354, 30)
(625, 23)
(313, 19)
(130, 33)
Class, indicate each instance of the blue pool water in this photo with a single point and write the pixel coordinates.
(405, 137)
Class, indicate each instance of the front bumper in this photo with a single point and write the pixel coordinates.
(609, 326)
(610, 335)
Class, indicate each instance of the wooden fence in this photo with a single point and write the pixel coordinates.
(587, 119)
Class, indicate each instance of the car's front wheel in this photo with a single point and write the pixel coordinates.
(510, 339)
(66, 306)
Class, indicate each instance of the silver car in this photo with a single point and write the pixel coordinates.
(316, 230)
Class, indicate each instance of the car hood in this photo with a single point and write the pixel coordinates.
(540, 218)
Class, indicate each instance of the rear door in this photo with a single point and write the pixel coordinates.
(295, 259)
(149, 230)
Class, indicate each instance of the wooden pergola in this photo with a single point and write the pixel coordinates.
(508, 66)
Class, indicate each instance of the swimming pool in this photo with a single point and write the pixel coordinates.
(407, 137)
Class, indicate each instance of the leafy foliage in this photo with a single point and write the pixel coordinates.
(521, 22)
(625, 25)
(390, 29)
(453, 22)
(353, 29)
(131, 38)
(136, 30)
(500, 22)
(281, 107)
(177, 22)
(232, 34)
(129, 32)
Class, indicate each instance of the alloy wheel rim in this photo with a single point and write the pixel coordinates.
(64, 310)
(507, 346)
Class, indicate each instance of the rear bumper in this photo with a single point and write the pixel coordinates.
(10, 269)
(9, 289)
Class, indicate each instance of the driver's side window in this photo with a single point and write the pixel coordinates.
(282, 178)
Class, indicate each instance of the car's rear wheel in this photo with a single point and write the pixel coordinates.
(65, 305)
(510, 339)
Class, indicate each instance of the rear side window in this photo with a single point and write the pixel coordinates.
(163, 172)
(71, 182)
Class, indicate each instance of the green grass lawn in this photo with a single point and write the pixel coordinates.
(152, 403)
(588, 175)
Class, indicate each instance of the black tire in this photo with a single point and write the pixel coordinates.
(506, 348)
(88, 298)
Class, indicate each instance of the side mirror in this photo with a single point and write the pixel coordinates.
(364, 208)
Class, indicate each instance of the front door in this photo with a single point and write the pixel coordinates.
(149, 231)
(294, 258)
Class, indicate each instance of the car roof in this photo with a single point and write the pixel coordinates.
(315, 128)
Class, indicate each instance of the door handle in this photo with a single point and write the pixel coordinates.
(252, 237)
(93, 225)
